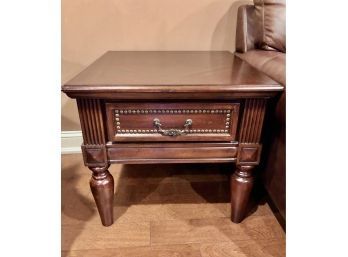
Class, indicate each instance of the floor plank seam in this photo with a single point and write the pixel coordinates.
(150, 233)
(129, 247)
(217, 242)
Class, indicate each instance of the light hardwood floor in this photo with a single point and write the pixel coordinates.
(164, 211)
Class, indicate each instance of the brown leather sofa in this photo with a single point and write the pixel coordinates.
(260, 40)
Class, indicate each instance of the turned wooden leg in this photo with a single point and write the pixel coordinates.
(102, 186)
(241, 184)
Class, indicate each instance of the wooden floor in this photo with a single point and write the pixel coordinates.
(164, 211)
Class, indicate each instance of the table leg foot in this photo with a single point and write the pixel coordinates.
(241, 184)
(102, 187)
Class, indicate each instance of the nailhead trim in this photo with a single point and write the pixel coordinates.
(172, 111)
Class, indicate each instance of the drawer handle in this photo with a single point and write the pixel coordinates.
(171, 132)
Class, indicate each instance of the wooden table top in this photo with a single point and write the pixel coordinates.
(217, 70)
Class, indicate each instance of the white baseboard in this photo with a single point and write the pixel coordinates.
(71, 142)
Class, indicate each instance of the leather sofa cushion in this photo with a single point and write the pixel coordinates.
(271, 63)
(271, 16)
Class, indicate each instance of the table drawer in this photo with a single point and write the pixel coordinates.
(172, 121)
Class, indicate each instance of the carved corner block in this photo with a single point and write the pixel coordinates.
(249, 154)
(94, 155)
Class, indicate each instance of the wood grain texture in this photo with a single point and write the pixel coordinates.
(171, 75)
(245, 248)
(171, 153)
(184, 250)
(95, 236)
(165, 195)
(116, 69)
(215, 229)
(168, 152)
(259, 248)
(248, 248)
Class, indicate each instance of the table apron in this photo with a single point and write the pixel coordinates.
(168, 154)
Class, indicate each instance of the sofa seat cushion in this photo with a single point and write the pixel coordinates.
(272, 63)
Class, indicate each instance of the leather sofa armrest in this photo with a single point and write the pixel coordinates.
(248, 32)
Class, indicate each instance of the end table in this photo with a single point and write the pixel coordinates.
(171, 107)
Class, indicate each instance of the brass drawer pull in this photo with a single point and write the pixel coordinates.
(171, 132)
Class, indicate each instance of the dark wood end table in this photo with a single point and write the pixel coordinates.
(171, 107)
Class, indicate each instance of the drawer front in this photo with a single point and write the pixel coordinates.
(172, 121)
